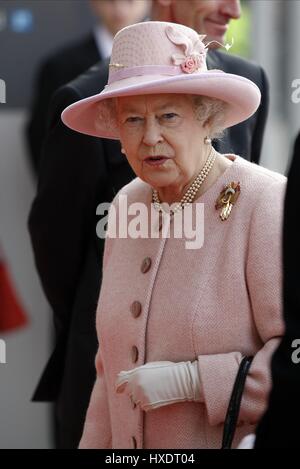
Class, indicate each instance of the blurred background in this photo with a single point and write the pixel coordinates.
(268, 33)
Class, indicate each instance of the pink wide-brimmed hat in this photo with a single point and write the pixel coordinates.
(157, 57)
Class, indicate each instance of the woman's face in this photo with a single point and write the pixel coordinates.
(162, 125)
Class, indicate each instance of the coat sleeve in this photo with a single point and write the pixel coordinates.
(279, 426)
(97, 428)
(73, 179)
(262, 114)
(47, 81)
(264, 272)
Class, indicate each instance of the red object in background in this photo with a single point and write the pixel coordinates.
(12, 314)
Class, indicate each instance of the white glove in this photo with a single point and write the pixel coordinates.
(157, 384)
(247, 442)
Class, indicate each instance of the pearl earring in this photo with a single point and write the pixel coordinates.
(123, 151)
(207, 141)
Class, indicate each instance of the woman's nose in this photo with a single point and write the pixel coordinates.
(152, 134)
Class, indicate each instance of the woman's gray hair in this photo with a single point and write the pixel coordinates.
(106, 114)
(207, 110)
(210, 110)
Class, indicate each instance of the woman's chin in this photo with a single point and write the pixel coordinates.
(157, 180)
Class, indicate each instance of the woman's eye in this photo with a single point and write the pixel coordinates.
(169, 116)
(133, 119)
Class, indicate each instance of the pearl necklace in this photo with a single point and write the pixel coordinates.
(193, 189)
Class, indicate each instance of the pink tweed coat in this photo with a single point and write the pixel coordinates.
(215, 304)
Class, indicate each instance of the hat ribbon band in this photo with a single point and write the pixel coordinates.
(130, 72)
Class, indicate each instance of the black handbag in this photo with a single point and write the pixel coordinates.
(235, 403)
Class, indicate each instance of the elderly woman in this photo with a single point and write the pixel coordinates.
(173, 320)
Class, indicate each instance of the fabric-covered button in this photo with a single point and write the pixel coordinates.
(136, 309)
(146, 264)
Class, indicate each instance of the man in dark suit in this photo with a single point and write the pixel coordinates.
(75, 176)
(77, 173)
(279, 428)
(66, 64)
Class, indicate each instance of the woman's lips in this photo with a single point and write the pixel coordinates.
(156, 161)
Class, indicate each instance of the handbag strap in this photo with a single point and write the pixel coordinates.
(235, 403)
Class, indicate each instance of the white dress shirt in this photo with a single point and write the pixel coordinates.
(104, 40)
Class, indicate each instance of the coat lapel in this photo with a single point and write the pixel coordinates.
(213, 61)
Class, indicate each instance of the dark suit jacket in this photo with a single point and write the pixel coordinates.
(77, 173)
(246, 138)
(57, 70)
(279, 427)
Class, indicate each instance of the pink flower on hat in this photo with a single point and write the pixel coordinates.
(192, 63)
(194, 51)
